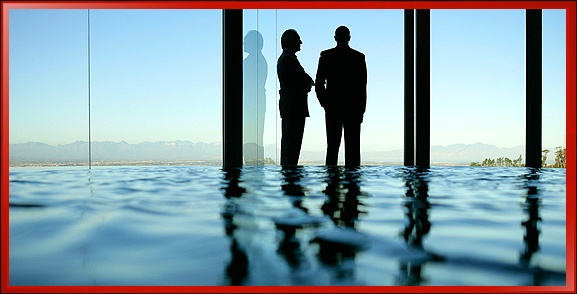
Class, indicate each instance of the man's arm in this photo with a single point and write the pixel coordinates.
(320, 81)
(295, 76)
(364, 83)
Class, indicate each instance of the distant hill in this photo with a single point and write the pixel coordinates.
(162, 150)
(186, 150)
(474, 152)
(452, 153)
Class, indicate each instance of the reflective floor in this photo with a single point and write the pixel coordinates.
(313, 225)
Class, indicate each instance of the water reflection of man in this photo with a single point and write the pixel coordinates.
(291, 186)
(343, 207)
(255, 72)
(289, 246)
(344, 211)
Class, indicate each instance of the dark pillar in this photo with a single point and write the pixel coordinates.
(232, 87)
(533, 87)
(409, 151)
(423, 103)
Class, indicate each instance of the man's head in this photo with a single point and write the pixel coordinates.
(342, 34)
(291, 40)
(253, 41)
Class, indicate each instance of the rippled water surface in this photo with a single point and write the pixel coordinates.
(313, 225)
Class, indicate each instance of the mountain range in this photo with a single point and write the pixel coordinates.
(187, 150)
(112, 151)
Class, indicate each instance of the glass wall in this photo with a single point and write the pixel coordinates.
(48, 85)
(478, 83)
(156, 84)
(155, 80)
(261, 46)
(554, 82)
(478, 79)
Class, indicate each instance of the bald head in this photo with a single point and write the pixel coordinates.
(342, 34)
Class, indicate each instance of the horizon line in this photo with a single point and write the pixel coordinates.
(219, 142)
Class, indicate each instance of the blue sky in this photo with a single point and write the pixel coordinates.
(156, 74)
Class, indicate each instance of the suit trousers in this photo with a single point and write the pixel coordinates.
(291, 140)
(334, 128)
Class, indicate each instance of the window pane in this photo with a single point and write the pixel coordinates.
(477, 84)
(48, 85)
(155, 81)
(554, 81)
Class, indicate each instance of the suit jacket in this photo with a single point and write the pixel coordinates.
(344, 71)
(295, 84)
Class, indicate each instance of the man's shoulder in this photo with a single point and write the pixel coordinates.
(285, 56)
(357, 53)
(327, 52)
(349, 50)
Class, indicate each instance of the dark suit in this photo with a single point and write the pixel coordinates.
(295, 83)
(344, 98)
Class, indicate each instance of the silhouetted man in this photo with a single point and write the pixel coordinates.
(344, 97)
(295, 84)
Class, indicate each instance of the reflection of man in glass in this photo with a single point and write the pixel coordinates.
(255, 71)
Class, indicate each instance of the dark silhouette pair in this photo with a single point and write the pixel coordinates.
(340, 86)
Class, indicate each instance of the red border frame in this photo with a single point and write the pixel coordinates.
(570, 7)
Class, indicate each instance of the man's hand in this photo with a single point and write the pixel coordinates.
(311, 86)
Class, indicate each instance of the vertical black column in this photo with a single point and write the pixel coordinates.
(232, 87)
(409, 151)
(423, 103)
(533, 87)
